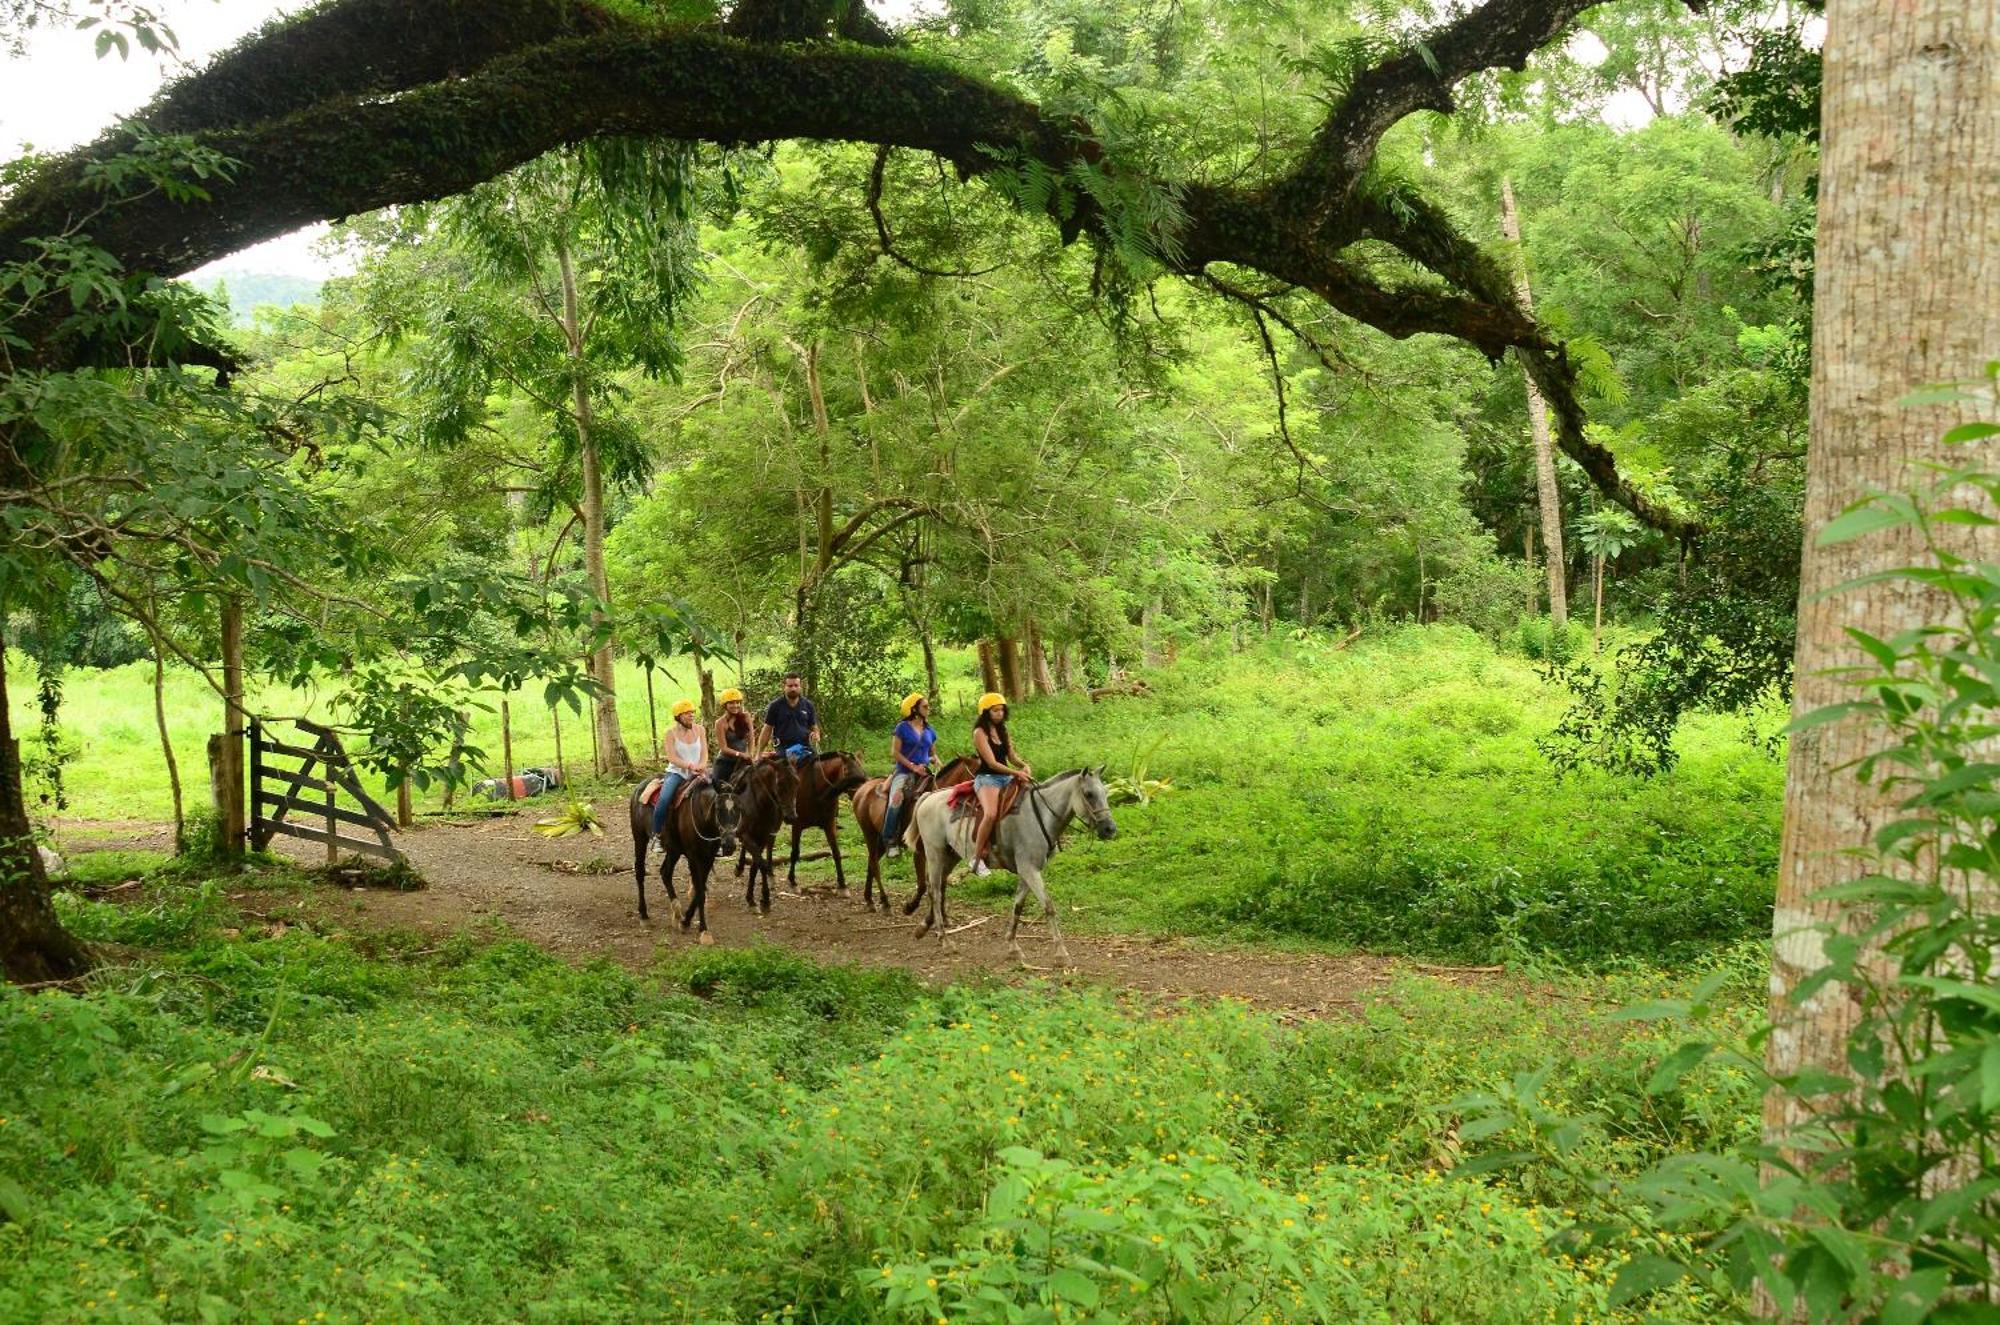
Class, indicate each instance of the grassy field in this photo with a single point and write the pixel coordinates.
(1388, 796)
(326, 1126)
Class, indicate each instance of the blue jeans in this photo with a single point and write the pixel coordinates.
(669, 784)
(899, 783)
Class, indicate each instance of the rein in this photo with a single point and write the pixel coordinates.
(713, 793)
(1035, 804)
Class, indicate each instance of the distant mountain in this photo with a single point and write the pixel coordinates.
(247, 291)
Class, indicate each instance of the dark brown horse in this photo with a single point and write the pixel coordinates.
(768, 797)
(823, 780)
(701, 825)
(871, 805)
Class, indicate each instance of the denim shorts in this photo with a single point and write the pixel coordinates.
(991, 779)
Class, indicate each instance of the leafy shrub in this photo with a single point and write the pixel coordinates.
(1487, 594)
(270, 1128)
(1538, 638)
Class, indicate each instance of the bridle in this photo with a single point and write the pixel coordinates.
(718, 794)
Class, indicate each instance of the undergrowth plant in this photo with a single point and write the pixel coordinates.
(1885, 1205)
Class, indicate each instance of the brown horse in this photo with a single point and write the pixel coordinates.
(871, 806)
(701, 825)
(823, 780)
(768, 796)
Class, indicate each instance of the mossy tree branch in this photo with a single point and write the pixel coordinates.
(364, 104)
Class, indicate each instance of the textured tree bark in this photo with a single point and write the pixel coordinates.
(34, 946)
(989, 671)
(1007, 653)
(612, 757)
(1907, 292)
(1038, 661)
(1549, 495)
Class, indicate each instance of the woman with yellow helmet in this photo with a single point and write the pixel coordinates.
(686, 752)
(994, 749)
(732, 736)
(910, 758)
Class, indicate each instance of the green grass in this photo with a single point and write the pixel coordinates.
(1388, 796)
(1391, 796)
(347, 1128)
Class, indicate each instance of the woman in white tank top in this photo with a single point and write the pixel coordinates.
(687, 757)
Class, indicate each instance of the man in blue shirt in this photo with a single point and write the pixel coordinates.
(791, 723)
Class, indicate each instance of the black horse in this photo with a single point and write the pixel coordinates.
(823, 780)
(768, 795)
(700, 826)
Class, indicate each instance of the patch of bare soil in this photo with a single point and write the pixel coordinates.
(576, 896)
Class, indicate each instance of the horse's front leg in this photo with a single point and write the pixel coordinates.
(792, 871)
(639, 841)
(698, 870)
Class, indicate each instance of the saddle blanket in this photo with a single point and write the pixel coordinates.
(651, 795)
(963, 800)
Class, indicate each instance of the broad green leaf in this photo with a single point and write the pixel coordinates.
(1858, 522)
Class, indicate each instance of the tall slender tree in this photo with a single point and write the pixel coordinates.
(559, 276)
(1548, 495)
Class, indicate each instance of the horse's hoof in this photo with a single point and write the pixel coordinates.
(707, 939)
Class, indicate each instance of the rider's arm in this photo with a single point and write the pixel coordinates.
(896, 752)
(703, 765)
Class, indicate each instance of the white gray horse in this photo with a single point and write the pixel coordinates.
(1023, 843)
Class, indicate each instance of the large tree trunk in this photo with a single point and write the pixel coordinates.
(34, 946)
(1907, 293)
(1038, 661)
(1538, 427)
(1007, 653)
(612, 757)
(989, 672)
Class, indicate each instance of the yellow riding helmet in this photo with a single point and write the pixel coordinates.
(685, 706)
(731, 696)
(910, 703)
(992, 699)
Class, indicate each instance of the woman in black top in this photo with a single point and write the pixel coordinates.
(997, 767)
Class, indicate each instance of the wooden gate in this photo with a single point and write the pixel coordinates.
(276, 792)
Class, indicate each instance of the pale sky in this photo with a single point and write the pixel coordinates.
(58, 94)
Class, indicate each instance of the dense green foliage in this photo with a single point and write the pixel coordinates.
(276, 1127)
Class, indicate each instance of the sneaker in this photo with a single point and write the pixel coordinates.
(893, 852)
(654, 848)
(979, 868)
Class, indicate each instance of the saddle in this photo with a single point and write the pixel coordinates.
(651, 795)
(965, 803)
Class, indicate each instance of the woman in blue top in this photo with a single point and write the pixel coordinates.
(910, 758)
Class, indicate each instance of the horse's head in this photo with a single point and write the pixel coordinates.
(728, 815)
(782, 781)
(1093, 803)
(842, 771)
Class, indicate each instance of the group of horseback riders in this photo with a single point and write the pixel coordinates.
(790, 729)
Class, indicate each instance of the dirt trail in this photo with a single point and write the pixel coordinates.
(500, 868)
